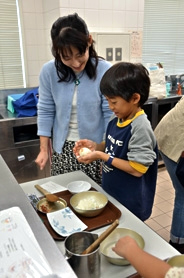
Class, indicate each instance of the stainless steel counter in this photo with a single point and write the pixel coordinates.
(5, 114)
(154, 244)
(11, 195)
(20, 145)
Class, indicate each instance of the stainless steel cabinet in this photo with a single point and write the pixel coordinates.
(21, 162)
(19, 147)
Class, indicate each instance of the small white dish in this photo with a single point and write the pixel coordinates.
(65, 222)
(78, 186)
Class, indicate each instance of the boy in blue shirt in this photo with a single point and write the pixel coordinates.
(129, 152)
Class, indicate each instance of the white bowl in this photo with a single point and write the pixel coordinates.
(78, 186)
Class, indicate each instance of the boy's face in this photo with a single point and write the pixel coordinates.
(123, 109)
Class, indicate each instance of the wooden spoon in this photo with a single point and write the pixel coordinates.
(50, 197)
(95, 244)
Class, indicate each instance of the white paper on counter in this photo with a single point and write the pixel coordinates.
(20, 253)
(53, 187)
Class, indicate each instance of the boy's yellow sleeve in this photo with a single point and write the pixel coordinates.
(138, 167)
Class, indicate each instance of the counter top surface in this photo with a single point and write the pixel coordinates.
(11, 195)
(154, 244)
(6, 115)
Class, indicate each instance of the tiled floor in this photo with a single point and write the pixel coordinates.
(160, 220)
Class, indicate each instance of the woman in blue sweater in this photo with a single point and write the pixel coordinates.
(71, 105)
(129, 152)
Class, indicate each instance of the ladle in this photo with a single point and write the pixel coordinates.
(50, 197)
(94, 245)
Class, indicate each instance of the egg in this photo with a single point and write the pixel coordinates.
(84, 151)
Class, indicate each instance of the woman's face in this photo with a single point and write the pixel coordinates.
(75, 60)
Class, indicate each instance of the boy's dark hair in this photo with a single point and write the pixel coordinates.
(70, 31)
(124, 79)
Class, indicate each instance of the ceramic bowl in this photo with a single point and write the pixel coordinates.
(110, 241)
(89, 204)
(78, 186)
(64, 222)
(177, 261)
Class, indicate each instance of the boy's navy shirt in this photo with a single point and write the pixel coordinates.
(134, 140)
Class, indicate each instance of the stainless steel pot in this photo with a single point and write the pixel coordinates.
(85, 266)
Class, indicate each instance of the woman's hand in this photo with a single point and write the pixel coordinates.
(41, 159)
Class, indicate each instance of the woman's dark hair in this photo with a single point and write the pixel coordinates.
(124, 79)
(70, 31)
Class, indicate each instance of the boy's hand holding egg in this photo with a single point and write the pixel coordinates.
(84, 151)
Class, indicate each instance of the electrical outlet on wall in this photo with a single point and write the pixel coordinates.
(118, 53)
(114, 47)
(109, 54)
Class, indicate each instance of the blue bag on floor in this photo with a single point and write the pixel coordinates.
(26, 106)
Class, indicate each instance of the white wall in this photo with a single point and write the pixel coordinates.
(37, 17)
